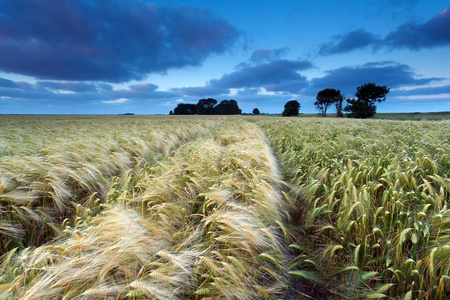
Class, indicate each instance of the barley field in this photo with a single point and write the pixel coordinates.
(221, 207)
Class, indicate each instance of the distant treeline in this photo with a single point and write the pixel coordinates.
(208, 107)
(367, 95)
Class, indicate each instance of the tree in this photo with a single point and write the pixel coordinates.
(325, 98)
(185, 109)
(367, 95)
(227, 107)
(359, 109)
(206, 106)
(291, 108)
(171, 113)
(256, 111)
(339, 113)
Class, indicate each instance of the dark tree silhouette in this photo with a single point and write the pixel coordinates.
(227, 107)
(366, 96)
(325, 98)
(185, 109)
(256, 111)
(206, 106)
(339, 113)
(291, 108)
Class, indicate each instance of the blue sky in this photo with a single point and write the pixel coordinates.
(145, 57)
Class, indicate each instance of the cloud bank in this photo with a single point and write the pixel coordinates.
(111, 41)
(389, 73)
(265, 69)
(348, 42)
(266, 78)
(54, 92)
(413, 36)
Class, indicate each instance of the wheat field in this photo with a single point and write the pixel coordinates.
(245, 207)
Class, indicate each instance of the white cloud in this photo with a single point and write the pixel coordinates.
(422, 97)
(120, 100)
(173, 103)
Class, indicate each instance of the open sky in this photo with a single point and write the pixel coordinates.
(145, 57)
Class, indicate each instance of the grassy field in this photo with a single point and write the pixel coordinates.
(430, 116)
(195, 207)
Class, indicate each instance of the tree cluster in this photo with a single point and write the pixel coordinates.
(208, 106)
(291, 108)
(362, 107)
(366, 96)
(327, 97)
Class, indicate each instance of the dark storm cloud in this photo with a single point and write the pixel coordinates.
(264, 69)
(349, 41)
(17, 92)
(6, 83)
(387, 73)
(77, 92)
(112, 41)
(20, 85)
(275, 75)
(413, 35)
